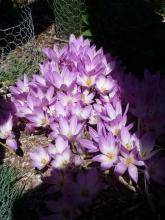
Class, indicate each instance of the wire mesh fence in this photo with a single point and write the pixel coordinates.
(68, 17)
(18, 51)
(19, 34)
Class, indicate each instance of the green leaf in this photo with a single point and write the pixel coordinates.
(87, 33)
(85, 19)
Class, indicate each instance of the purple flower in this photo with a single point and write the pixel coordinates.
(109, 152)
(103, 84)
(65, 79)
(87, 186)
(114, 111)
(57, 109)
(68, 98)
(6, 128)
(39, 118)
(21, 87)
(59, 147)
(78, 46)
(70, 128)
(88, 144)
(146, 146)
(127, 140)
(86, 80)
(55, 130)
(57, 181)
(155, 169)
(116, 125)
(62, 160)
(128, 162)
(83, 113)
(93, 119)
(40, 157)
(12, 143)
(87, 97)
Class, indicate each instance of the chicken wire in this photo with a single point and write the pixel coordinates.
(68, 17)
(19, 53)
(18, 35)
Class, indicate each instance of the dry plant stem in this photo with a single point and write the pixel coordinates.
(60, 40)
(121, 180)
(5, 146)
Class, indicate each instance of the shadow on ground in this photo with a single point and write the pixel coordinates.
(130, 30)
(115, 202)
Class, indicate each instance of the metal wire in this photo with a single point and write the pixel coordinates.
(19, 34)
(68, 17)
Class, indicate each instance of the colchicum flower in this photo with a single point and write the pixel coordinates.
(109, 152)
(40, 157)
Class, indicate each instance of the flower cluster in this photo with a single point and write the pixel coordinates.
(80, 100)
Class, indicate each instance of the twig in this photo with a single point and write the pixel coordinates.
(121, 180)
(61, 40)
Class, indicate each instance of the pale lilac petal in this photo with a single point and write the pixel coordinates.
(50, 93)
(73, 125)
(125, 135)
(49, 53)
(110, 110)
(106, 165)
(88, 145)
(133, 172)
(120, 169)
(64, 127)
(12, 144)
(104, 146)
(67, 154)
(61, 144)
(100, 158)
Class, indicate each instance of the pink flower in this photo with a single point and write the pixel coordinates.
(40, 157)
